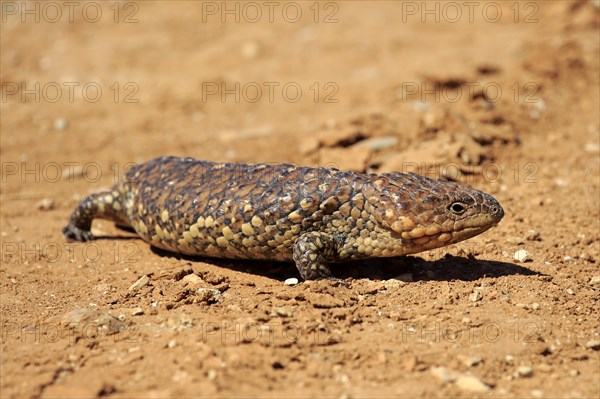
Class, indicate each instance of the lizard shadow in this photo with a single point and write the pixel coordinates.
(267, 268)
(270, 269)
(120, 237)
(448, 268)
(117, 238)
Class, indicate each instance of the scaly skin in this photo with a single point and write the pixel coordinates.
(313, 216)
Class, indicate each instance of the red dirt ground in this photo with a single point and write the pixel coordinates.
(503, 96)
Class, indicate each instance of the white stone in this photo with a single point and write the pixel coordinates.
(471, 384)
(521, 255)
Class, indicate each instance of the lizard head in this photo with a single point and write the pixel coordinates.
(425, 213)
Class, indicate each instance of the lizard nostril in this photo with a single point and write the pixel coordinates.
(497, 211)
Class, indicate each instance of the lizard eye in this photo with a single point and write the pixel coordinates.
(457, 207)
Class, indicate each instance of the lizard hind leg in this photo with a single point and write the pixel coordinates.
(102, 205)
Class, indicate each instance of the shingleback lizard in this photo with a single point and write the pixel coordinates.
(313, 216)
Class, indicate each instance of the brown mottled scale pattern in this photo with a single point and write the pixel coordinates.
(313, 216)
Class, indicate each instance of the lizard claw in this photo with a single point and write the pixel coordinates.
(73, 233)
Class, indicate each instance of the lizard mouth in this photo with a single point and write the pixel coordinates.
(442, 238)
(469, 232)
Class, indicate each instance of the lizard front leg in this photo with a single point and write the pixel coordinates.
(312, 252)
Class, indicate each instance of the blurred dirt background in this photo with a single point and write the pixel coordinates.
(500, 95)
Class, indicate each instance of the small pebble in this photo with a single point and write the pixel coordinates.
(567, 258)
(379, 143)
(419, 105)
(595, 280)
(137, 311)
(470, 361)
(46, 204)
(103, 288)
(291, 281)
(594, 344)
(475, 296)
(208, 295)
(532, 235)
(61, 124)
(561, 182)
(212, 374)
(536, 393)
(443, 374)
(172, 343)
(392, 283)
(524, 371)
(103, 322)
(471, 384)
(73, 172)
(573, 373)
(180, 321)
(192, 279)
(142, 282)
(535, 306)
(281, 312)
(234, 308)
(541, 348)
(545, 368)
(570, 291)
(521, 255)
(372, 288)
